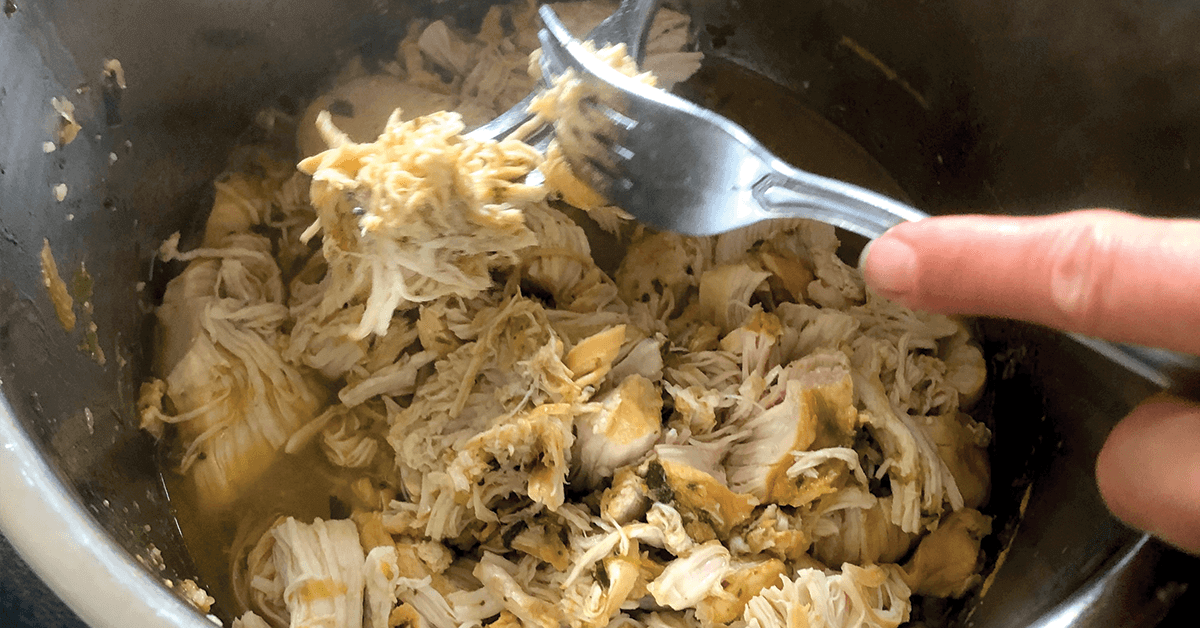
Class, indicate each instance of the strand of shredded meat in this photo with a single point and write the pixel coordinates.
(725, 431)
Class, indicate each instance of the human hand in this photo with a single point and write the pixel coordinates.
(1100, 273)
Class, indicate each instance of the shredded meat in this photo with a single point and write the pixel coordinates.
(726, 431)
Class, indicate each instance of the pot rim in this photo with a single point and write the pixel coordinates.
(69, 550)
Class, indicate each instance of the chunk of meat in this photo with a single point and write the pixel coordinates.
(809, 406)
(946, 563)
(621, 431)
(321, 568)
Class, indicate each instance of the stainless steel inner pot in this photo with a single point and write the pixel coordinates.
(1018, 107)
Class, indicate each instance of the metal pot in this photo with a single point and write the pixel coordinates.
(1022, 107)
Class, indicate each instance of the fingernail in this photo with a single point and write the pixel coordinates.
(889, 265)
(862, 257)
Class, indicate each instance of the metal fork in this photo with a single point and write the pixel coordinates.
(679, 167)
(629, 25)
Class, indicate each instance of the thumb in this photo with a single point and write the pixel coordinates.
(1149, 471)
(1100, 273)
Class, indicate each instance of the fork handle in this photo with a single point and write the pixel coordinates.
(789, 192)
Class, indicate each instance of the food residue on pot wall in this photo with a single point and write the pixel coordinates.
(81, 287)
(91, 344)
(112, 85)
(64, 305)
(68, 128)
(114, 72)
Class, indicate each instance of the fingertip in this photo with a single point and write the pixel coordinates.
(1149, 471)
(890, 266)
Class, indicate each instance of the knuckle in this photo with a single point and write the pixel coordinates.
(1081, 272)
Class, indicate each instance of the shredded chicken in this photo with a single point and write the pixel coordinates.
(420, 213)
(250, 620)
(725, 431)
(320, 568)
(859, 597)
(235, 400)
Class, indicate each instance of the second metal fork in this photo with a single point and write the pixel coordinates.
(629, 24)
(679, 167)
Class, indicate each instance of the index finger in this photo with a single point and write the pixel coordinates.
(1101, 273)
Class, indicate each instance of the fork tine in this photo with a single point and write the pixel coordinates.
(592, 139)
(557, 58)
(598, 176)
(629, 24)
(588, 155)
(552, 37)
(582, 146)
(625, 20)
(607, 136)
(554, 56)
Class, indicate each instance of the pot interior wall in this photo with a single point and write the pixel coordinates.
(1021, 107)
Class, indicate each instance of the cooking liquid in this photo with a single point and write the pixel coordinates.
(305, 485)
